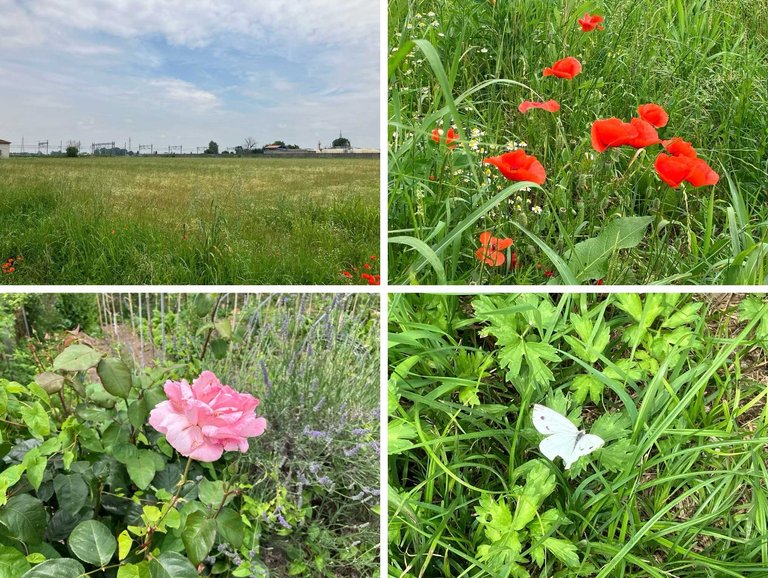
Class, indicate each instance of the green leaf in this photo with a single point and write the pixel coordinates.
(564, 551)
(25, 519)
(142, 468)
(124, 543)
(35, 464)
(224, 327)
(584, 385)
(211, 493)
(140, 570)
(198, 536)
(36, 419)
(172, 565)
(58, 568)
(71, 492)
(12, 562)
(230, 527)
(92, 542)
(49, 381)
(539, 483)
(589, 259)
(219, 348)
(137, 413)
(8, 478)
(77, 357)
(115, 376)
(401, 434)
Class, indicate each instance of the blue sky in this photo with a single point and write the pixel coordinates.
(173, 72)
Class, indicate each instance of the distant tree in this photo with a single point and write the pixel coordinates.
(213, 148)
(250, 144)
(239, 150)
(341, 142)
(293, 146)
(280, 143)
(72, 151)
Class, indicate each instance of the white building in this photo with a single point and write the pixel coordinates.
(5, 149)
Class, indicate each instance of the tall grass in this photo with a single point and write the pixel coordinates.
(469, 64)
(676, 386)
(187, 221)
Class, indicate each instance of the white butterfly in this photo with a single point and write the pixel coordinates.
(564, 439)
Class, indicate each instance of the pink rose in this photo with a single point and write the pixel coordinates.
(204, 420)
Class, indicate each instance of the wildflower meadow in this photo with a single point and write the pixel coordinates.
(599, 436)
(169, 435)
(573, 142)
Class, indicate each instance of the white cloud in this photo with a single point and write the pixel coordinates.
(179, 91)
(197, 23)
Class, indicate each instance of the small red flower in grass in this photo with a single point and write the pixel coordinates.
(549, 273)
(491, 251)
(589, 23)
(450, 137)
(675, 170)
(654, 114)
(372, 279)
(347, 274)
(679, 148)
(612, 132)
(646, 134)
(518, 166)
(549, 106)
(566, 68)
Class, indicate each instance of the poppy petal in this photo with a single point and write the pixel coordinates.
(701, 174)
(672, 170)
(485, 238)
(653, 114)
(612, 132)
(679, 148)
(646, 134)
(492, 258)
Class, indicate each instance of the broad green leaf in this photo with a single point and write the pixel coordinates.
(35, 464)
(115, 376)
(172, 565)
(36, 419)
(224, 327)
(211, 493)
(230, 527)
(8, 478)
(58, 568)
(77, 357)
(71, 492)
(137, 413)
(141, 469)
(586, 385)
(92, 542)
(140, 570)
(198, 536)
(401, 434)
(12, 562)
(24, 518)
(49, 381)
(124, 543)
(589, 258)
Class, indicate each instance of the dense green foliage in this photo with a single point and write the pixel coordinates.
(87, 486)
(117, 220)
(674, 384)
(470, 64)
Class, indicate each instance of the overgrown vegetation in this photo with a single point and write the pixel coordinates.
(674, 384)
(88, 487)
(187, 221)
(607, 217)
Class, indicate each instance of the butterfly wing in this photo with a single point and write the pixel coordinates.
(561, 445)
(583, 446)
(548, 421)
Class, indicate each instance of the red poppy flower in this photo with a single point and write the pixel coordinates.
(612, 132)
(450, 137)
(518, 166)
(549, 106)
(372, 279)
(675, 170)
(347, 274)
(491, 251)
(589, 23)
(679, 148)
(566, 68)
(654, 114)
(701, 173)
(646, 134)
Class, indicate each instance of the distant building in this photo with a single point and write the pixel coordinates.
(5, 149)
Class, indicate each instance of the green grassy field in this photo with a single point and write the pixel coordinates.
(187, 220)
(674, 384)
(470, 64)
